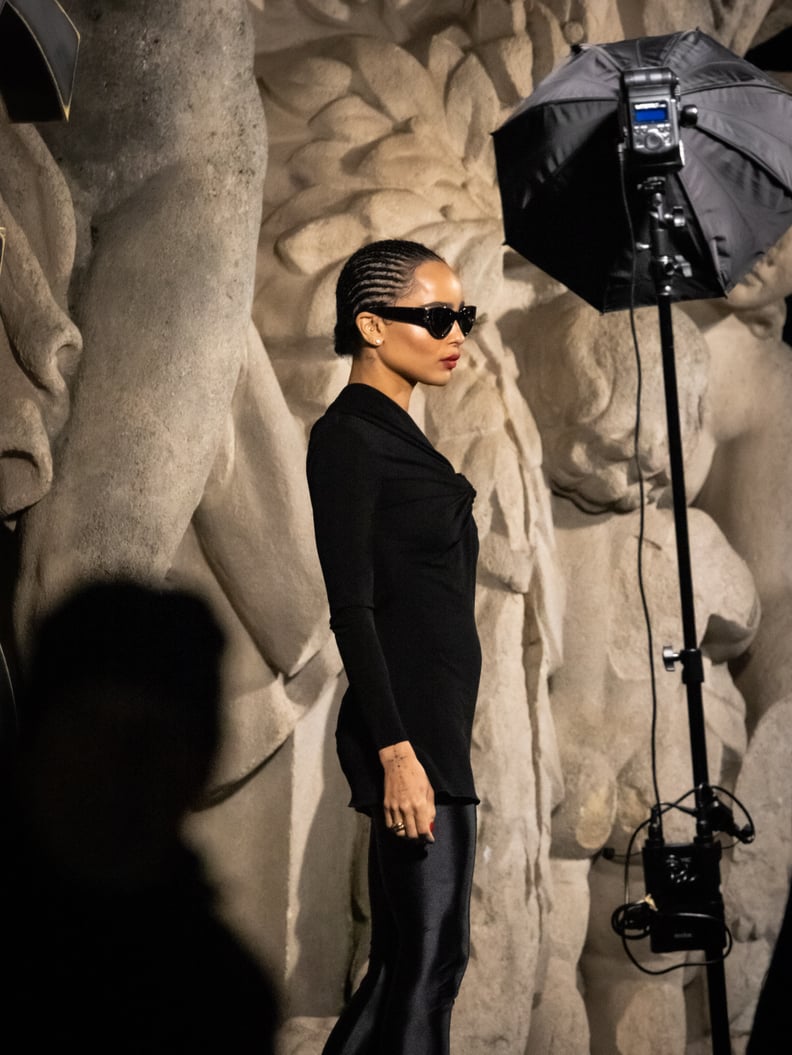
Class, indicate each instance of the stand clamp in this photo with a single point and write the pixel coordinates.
(692, 664)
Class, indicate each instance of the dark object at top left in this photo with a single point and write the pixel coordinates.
(38, 59)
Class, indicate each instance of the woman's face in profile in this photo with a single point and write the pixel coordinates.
(408, 349)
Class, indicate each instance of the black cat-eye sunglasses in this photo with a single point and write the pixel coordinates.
(438, 320)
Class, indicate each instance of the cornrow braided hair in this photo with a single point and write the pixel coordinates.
(378, 273)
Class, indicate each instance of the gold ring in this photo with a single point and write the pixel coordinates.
(398, 826)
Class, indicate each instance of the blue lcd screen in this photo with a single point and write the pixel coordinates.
(650, 114)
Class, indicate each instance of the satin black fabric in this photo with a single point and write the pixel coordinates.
(398, 547)
(420, 938)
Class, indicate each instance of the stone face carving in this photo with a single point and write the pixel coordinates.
(580, 380)
(40, 344)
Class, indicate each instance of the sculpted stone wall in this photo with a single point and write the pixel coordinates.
(222, 161)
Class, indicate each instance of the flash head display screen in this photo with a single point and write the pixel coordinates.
(650, 113)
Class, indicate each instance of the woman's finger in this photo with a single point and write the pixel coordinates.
(395, 823)
(424, 818)
(410, 826)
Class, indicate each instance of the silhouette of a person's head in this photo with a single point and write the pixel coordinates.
(113, 933)
(120, 728)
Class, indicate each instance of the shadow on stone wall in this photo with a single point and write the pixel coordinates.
(180, 458)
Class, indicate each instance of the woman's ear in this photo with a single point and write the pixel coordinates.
(370, 327)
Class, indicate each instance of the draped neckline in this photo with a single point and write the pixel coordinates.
(369, 403)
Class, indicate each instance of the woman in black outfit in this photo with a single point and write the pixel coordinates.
(398, 547)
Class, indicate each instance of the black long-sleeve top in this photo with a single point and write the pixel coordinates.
(398, 547)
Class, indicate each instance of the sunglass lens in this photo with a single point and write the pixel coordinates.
(439, 321)
(466, 317)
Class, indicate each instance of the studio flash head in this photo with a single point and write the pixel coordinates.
(651, 118)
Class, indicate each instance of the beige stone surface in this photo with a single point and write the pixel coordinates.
(751, 381)
(580, 380)
(345, 98)
(304, 1036)
(559, 1021)
(510, 736)
(162, 350)
(39, 343)
(175, 452)
(757, 882)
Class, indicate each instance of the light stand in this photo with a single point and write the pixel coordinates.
(683, 906)
(663, 268)
(555, 168)
(683, 880)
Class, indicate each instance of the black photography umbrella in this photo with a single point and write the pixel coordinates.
(38, 59)
(560, 181)
(667, 160)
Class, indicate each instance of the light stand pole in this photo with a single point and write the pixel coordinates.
(687, 878)
(683, 906)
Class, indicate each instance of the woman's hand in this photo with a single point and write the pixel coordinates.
(409, 797)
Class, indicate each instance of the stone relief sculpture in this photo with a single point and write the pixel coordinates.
(187, 395)
(160, 471)
(581, 383)
(486, 430)
(183, 459)
(41, 345)
(746, 414)
(350, 145)
(372, 124)
(40, 352)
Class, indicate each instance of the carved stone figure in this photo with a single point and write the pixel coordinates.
(40, 344)
(581, 382)
(520, 633)
(39, 352)
(747, 416)
(351, 121)
(176, 452)
(180, 459)
(168, 221)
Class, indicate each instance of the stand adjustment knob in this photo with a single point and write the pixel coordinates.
(670, 657)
